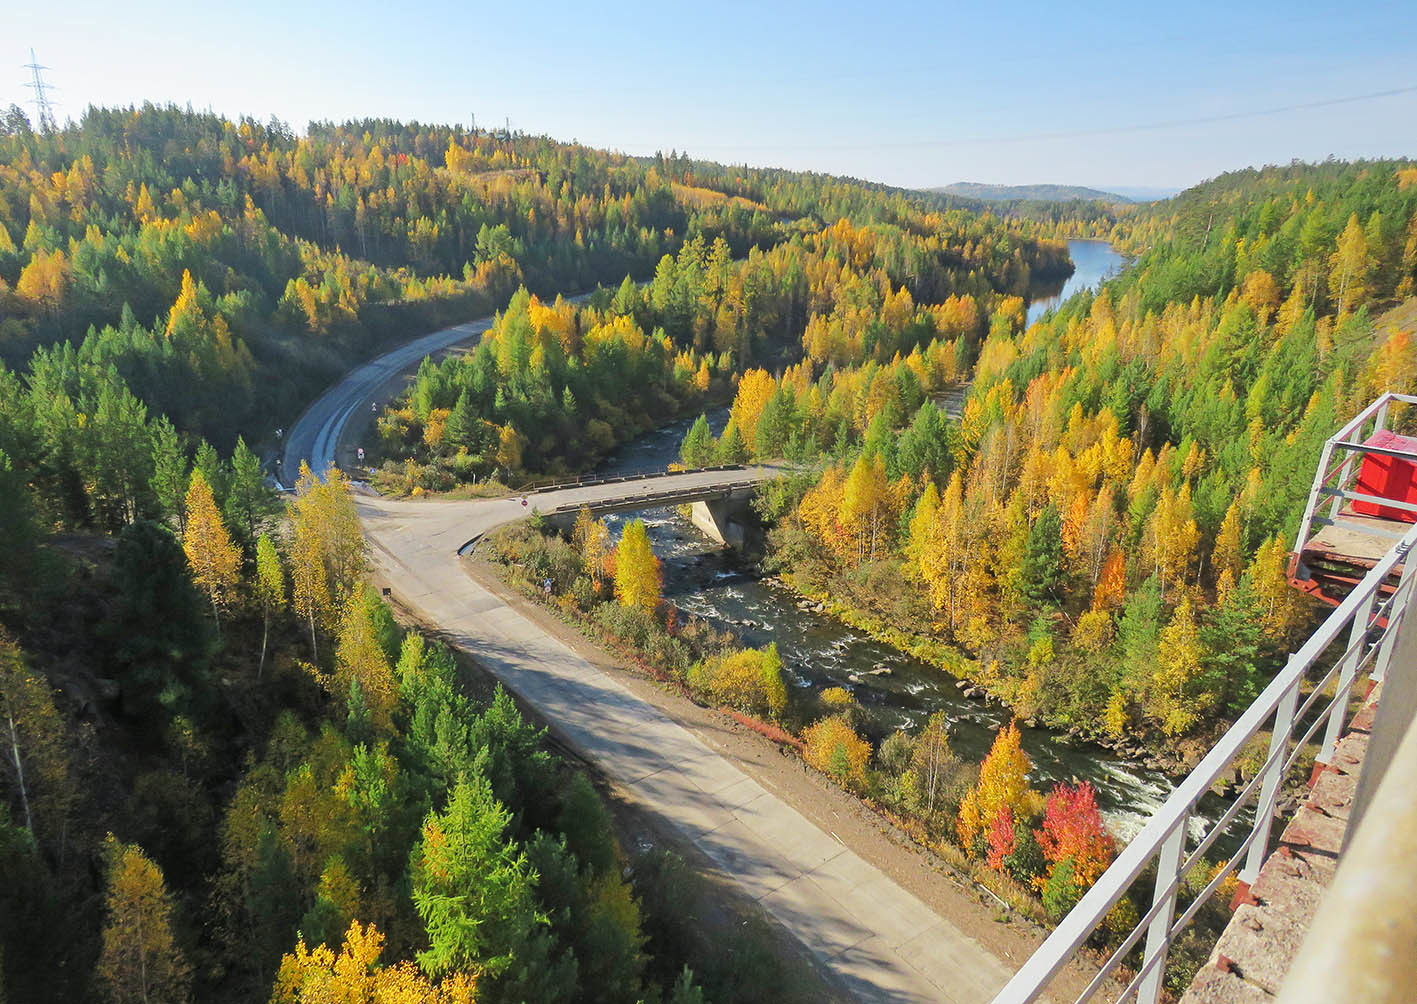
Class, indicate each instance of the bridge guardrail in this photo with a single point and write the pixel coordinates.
(590, 480)
(1357, 637)
(654, 501)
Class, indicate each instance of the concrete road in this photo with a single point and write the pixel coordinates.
(883, 942)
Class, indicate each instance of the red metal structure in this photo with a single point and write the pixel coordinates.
(1363, 500)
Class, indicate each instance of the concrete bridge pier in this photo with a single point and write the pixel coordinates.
(726, 521)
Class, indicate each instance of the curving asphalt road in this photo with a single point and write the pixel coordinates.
(316, 433)
(882, 941)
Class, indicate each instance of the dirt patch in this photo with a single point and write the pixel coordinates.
(955, 898)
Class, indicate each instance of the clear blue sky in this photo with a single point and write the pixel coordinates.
(909, 93)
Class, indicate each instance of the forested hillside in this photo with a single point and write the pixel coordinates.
(557, 387)
(228, 774)
(1102, 537)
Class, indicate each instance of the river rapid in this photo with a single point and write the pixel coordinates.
(818, 651)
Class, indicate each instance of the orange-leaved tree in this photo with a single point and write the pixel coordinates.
(834, 748)
(1073, 830)
(354, 976)
(1003, 782)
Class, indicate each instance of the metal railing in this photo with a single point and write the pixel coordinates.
(649, 500)
(1333, 481)
(537, 486)
(1357, 638)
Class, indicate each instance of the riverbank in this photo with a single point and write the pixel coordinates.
(971, 679)
(858, 824)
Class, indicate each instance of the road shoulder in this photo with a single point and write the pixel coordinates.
(953, 898)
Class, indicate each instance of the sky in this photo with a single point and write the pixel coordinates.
(1135, 94)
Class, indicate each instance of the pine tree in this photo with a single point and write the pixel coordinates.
(270, 590)
(169, 478)
(927, 446)
(140, 961)
(213, 470)
(460, 428)
(474, 889)
(637, 576)
(1041, 574)
(1231, 638)
(731, 449)
(248, 498)
(698, 447)
(215, 561)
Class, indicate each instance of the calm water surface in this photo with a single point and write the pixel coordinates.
(1093, 261)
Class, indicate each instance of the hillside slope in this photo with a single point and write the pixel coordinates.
(1030, 193)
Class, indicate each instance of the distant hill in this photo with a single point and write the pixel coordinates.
(1140, 193)
(1032, 193)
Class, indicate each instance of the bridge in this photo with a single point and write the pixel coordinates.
(718, 497)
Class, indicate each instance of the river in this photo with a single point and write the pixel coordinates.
(1093, 261)
(818, 651)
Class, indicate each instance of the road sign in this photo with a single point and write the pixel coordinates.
(361, 454)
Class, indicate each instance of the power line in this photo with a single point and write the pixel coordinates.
(44, 108)
(1068, 134)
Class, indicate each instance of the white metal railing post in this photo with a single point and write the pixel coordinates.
(1357, 636)
(1158, 934)
(1400, 604)
(1269, 788)
(1344, 472)
(1311, 507)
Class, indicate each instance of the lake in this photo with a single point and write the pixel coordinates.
(1093, 261)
